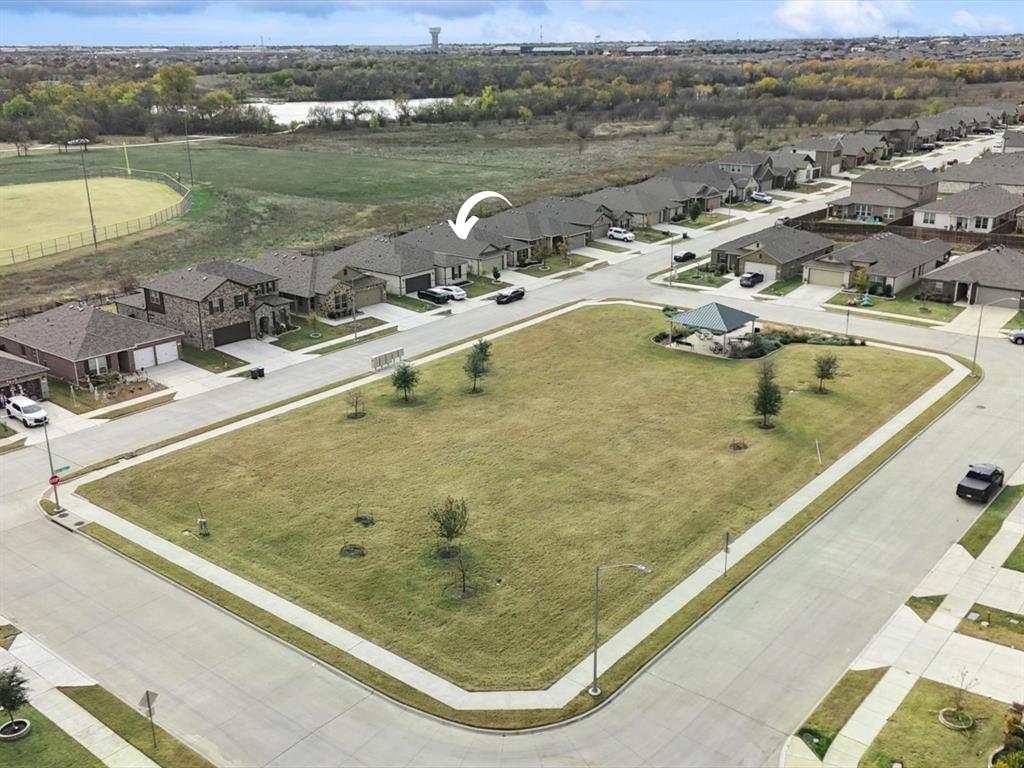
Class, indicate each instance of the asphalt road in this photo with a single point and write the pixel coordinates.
(728, 694)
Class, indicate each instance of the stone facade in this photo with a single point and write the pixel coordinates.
(337, 299)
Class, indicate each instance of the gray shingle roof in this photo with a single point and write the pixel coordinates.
(880, 196)
(632, 199)
(570, 210)
(15, 369)
(79, 332)
(234, 271)
(918, 176)
(197, 282)
(783, 244)
(889, 255)
(526, 226)
(716, 317)
(984, 200)
(855, 143)
(998, 267)
(672, 190)
(706, 173)
(746, 157)
(387, 256)
(816, 143)
(1013, 139)
(784, 160)
(894, 124)
(1003, 169)
(439, 238)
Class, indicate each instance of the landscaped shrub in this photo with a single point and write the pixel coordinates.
(887, 291)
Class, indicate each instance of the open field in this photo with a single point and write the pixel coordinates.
(543, 508)
(287, 191)
(43, 211)
(915, 736)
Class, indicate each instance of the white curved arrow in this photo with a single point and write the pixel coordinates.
(463, 225)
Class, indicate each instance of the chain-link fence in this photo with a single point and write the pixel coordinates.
(107, 231)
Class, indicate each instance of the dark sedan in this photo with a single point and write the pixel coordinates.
(509, 295)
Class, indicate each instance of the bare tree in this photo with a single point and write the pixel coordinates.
(357, 400)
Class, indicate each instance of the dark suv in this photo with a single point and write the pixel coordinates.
(981, 482)
(681, 258)
(750, 279)
(435, 295)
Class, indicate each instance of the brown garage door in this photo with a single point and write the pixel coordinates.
(230, 333)
(825, 277)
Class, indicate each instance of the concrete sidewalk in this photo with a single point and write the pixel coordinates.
(613, 649)
(46, 672)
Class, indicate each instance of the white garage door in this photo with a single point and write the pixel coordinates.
(768, 270)
(825, 277)
(144, 358)
(1002, 295)
(166, 352)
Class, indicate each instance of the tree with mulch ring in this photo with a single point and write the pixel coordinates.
(13, 696)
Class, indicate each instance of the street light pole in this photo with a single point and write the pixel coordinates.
(49, 455)
(83, 143)
(977, 335)
(188, 150)
(594, 690)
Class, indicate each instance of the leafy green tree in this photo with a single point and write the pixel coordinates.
(175, 84)
(861, 281)
(695, 210)
(768, 395)
(13, 691)
(825, 368)
(18, 108)
(476, 366)
(450, 519)
(405, 378)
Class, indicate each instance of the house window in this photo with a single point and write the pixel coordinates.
(154, 301)
(928, 217)
(936, 285)
(889, 213)
(961, 222)
(981, 222)
(96, 366)
(241, 300)
(216, 306)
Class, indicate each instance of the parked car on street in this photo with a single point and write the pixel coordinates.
(750, 279)
(981, 482)
(760, 197)
(1016, 336)
(27, 411)
(928, 146)
(952, 161)
(618, 233)
(509, 295)
(685, 256)
(458, 294)
(984, 130)
(435, 295)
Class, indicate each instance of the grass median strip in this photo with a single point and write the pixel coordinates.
(143, 405)
(133, 727)
(352, 342)
(991, 519)
(837, 708)
(925, 606)
(1003, 627)
(212, 360)
(300, 338)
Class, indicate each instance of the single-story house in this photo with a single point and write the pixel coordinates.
(891, 262)
(76, 341)
(525, 231)
(777, 252)
(21, 377)
(734, 187)
(978, 209)
(677, 195)
(794, 168)
(827, 152)
(405, 268)
(633, 207)
(901, 133)
(320, 282)
(1013, 141)
(573, 211)
(982, 277)
(1004, 169)
(212, 303)
(454, 258)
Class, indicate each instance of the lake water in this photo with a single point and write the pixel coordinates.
(286, 111)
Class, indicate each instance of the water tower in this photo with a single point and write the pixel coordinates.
(435, 32)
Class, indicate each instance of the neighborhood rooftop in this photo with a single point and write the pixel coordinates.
(998, 266)
(985, 200)
(889, 254)
(783, 244)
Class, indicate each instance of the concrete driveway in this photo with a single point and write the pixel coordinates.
(733, 289)
(62, 422)
(187, 379)
(262, 353)
(402, 317)
(992, 320)
(808, 296)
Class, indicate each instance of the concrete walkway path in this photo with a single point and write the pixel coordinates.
(576, 679)
(45, 672)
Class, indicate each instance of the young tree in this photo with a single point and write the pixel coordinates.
(543, 252)
(694, 210)
(496, 273)
(563, 250)
(314, 324)
(405, 378)
(450, 519)
(13, 692)
(476, 366)
(461, 564)
(825, 368)
(357, 400)
(484, 347)
(768, 395)
(861, 280)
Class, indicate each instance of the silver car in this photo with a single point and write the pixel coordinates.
(1017, 336)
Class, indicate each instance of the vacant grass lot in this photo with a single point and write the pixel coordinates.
(36, 212)
(905, 304)
(915, 736)
(563, 462)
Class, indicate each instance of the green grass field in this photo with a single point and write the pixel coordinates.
(46, 746)
(43, 211)
(578, 393)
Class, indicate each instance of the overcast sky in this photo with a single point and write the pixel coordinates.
(373, 22)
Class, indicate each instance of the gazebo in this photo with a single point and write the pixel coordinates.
(717, 319)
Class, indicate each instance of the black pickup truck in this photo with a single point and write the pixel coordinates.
(981, 482)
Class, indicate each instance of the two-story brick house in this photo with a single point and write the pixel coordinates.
(213, 303)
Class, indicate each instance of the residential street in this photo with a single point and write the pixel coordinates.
(730, 692)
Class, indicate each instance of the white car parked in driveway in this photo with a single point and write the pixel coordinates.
(618, 233)
(458, 294)
(760, 197)
(27, 411)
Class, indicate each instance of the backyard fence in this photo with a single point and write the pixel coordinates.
(108, 231)
(92, 299)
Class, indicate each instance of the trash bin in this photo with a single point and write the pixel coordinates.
(260, 372)
(254, 373)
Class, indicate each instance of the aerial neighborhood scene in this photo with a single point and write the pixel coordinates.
(570, 382)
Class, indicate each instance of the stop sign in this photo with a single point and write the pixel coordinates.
(54, 479)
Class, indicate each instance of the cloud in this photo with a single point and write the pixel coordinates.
(109, 7)
(981, 23)
(604, 6)
(844, 18)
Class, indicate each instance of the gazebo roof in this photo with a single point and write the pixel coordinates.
(714, 317)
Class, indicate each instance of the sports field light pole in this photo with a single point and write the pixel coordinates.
(188, 150)
(83, 143)
(594, 690)
(977, 337)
